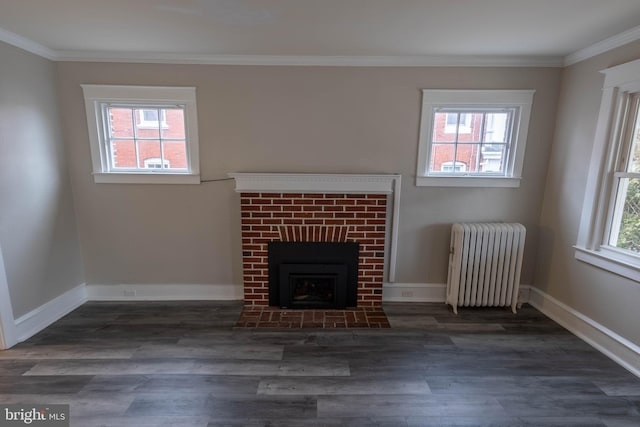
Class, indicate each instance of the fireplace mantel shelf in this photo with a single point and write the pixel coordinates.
(315, 183)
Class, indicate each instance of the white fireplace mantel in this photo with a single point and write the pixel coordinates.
(315, 183)
(250, 182)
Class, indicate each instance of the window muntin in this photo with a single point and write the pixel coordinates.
(130, 144)
(130, 126)
(486, 130)
(480, 140)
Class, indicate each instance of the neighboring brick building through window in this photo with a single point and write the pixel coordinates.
(139, 142)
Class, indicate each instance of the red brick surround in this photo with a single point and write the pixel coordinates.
(311, 217)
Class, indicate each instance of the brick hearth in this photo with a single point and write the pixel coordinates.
(313, 217)
(273, 317)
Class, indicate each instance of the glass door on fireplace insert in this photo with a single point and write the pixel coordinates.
(313, 289)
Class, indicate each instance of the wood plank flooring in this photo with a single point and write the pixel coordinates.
(184, 364)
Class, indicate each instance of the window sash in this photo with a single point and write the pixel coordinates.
(464, 121)
(138, 110)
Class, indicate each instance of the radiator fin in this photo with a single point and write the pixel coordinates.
(485, 262)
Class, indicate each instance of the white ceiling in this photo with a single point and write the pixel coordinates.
(76, 29)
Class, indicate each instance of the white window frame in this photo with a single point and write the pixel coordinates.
(96, 96)
(621, 83)
(433, 99)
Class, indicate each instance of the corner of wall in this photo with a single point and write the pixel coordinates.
(7, 325)
(36, 320)
(617, 348)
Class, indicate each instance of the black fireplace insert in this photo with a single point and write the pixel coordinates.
(308, 275)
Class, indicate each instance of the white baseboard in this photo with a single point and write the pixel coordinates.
(414, 292)
(428, 292)
(164, 292)
(36, 320)
(612, 345)
(619, 349)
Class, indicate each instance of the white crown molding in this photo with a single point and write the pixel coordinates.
(314, 183)
(27, 44)
(307, 60)
(603, 46)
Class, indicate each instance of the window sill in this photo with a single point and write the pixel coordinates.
(467, 181)
(145, 178)
(607, 260)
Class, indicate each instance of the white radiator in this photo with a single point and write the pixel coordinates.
(484, 265)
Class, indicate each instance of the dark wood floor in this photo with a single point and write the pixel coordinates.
(183, 364)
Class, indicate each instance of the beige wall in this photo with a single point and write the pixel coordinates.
(286, 119)
(38, 233)
(604, 297)
(289, 119)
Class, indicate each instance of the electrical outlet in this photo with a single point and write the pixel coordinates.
(129, 292)
(407, 293)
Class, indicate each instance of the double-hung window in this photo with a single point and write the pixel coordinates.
(624, 223)
(473, 137)
(143, 134)
(609, 235)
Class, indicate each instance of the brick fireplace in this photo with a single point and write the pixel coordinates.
(324, 208)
